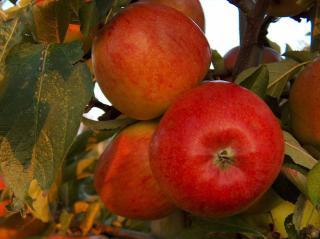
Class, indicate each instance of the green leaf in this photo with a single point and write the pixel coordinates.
(218, 63)
(103, 7)
(274, 46)
(313, 185)
(89, 17)
(296, 177)
(280, 73)
(290, 228)
(298, 154)
(51, 19)
(116, 124)
(257, 81)
(202, 228)
(300, 56)
(65, 220)
(87, 140)
(299, 211)
(288, 48)
(41, 112)
(10, 35)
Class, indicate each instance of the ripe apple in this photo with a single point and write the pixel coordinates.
(217, 149)
(304, 105)
(230, 58)
(148, 55)
(191, 8)
(123, 177)
(283, 8)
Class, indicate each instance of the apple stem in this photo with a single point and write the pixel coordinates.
(224, 158)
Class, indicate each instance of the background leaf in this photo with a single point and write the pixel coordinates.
(300, 56)
(202, 228)
(10, 35)
(257, 81)
(41, 112)
(313, 185)
(298, 154)
(51, 19)
(116, 124)
(280, 73)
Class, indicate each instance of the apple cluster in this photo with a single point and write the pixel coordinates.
(209, 148)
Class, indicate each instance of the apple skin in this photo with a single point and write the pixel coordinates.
(217, 150)
(304, 105)
(191, 8)
(230, 58)
(283, 8)
(148, 55)
(123, 178)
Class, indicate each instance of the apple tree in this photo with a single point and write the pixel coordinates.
(132, 171)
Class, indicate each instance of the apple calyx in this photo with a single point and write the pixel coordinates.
(224, 158)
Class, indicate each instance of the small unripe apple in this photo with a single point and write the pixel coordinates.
(230, 58)
(304, 105)
(148, 55)
(191, 8)
(283, 8)
(217, 149)
(123, 177)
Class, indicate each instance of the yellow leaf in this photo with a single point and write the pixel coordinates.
(82, 166)
(40, 204)
(91, 215)
(80, 206)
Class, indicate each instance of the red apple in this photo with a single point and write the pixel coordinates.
(191, 8)
(304, 105)
(217, 150)
(230, 58)
(148, 55)
(123, 177)
(2, 185)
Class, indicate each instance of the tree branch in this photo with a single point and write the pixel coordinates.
(246, 6)
(315, 21)
(250, 49)
(109, 111)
